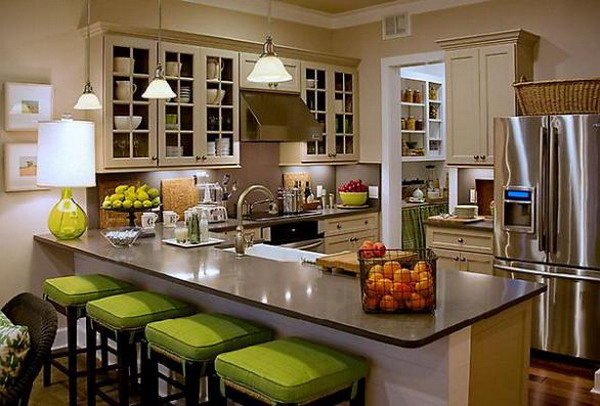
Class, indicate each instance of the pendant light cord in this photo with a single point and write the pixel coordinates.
(159, 31)
(269, 11)
(87, 43)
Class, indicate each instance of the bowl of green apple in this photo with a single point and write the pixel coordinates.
(129, 199)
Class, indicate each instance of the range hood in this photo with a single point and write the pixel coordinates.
(276, 117)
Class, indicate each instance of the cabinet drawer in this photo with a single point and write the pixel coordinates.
(478, 263)
(349, 241)
(462, 240)
(349, 224)
(448, 260)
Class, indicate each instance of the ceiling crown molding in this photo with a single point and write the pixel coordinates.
(302, 15)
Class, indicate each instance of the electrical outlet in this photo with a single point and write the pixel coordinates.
(473, 196)
(374, 192)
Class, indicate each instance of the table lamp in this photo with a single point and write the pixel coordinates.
(66, 159)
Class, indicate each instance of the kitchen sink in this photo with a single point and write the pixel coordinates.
(280, 254)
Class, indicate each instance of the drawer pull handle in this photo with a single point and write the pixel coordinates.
(460, 240)
(463, 259)
(339, 226)
(456, 258)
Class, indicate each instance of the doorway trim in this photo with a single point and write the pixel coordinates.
(391, 162)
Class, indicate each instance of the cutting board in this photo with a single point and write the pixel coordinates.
(439, 219)
(348, 260)
(290, 178)
(178, 195)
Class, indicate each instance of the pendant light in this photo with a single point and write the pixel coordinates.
(269, 68)
(88, 100)
(159, 87)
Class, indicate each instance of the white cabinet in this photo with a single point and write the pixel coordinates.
(247, 62)
(348, 233)
(480, 71)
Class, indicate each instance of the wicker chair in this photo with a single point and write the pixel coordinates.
(40, 317)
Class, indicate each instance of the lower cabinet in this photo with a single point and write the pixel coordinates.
(348, 233)
(462, 250)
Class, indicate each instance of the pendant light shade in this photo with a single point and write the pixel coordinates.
(269, 68)
(88, 100)
(159, 88)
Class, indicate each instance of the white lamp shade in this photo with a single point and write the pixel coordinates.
(66, 156)
(159, 89)
(269, 69)
(88, 101)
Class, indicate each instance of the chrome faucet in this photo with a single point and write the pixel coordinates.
(241, 243)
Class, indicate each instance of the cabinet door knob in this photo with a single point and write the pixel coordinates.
(339, 226)
(476, 157)
(155, 158)
(463, 259)
(456, 258)
(460, 240)
(366, 222)
(483, 157)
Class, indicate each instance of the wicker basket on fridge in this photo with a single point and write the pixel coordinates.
(395, 283)
(576, 96)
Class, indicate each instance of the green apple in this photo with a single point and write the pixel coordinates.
(121, 189)
(131, 196)
(143, 195)
(138, 204)
(147, 203)
(117, 204)
(144, 187)
(156, 202)
(117, 197)
(127, 204)
(107, 205)
(153, 192)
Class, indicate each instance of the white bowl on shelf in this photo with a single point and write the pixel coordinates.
(127, 122)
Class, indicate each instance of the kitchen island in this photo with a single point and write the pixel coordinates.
(474, 350)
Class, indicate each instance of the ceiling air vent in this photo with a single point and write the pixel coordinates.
(396, 26)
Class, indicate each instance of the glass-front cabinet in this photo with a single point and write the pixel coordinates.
(180, 140)
(220, 104)
(345, 118)
(316, 92)
(130, 138)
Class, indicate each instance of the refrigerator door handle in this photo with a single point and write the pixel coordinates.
(553, 189)
(547, 274)
(542, 208)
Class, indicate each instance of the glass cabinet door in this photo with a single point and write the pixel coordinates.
(315, 92)
(345, 145)
(220, 101)
(179, 126)
(130, 120)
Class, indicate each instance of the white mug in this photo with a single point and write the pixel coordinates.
(170, 219)
(173, 68)
(123, 65)
(149, 219)
(125, 89)
(213, 68)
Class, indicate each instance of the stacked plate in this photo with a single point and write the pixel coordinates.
(211, 148)
(185, 94)
(224, 146)
(465, 211)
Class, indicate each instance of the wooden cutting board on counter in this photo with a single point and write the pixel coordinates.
(179, 195)
(290, 179)
(348, 261)
(440, 220)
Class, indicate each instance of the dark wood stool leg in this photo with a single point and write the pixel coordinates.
(149, 377)
(192, 384)
(104, 352)
(90, 349)
(360, 398)
(133, 366)
(214, 390)
(123, 362)
(48, 371)
(72, 354)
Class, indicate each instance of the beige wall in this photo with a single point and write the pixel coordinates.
(39, 44)
(569, 46)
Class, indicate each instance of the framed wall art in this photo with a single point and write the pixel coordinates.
(20, 167)
(26, 104)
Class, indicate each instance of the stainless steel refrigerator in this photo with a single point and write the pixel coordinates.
(547, 224)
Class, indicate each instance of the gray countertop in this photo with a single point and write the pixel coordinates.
(303, 291)
(231, 224)
(484, 225)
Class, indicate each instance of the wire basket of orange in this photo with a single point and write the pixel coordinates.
(398, 281)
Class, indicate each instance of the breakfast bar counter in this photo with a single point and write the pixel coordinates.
(415, 359)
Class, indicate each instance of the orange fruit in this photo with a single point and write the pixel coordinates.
(402, 275)
(388, 303)
(425, 276)
(414, 276)
(375, 276)
(423, 285)
(416, 302)
(401, 291)
(383, 286)
(376, 269)
(389, 268)
(421, 266)
(370, 303)
(369, 288)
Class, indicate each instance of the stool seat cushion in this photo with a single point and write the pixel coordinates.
(203, 336)
(290, 370)
(77, 290)
(136, 309)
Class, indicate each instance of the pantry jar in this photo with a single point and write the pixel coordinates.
(433, 93)
(403, 123)
(411, 123)
(419, 125)
(416, 97)
(407, 96)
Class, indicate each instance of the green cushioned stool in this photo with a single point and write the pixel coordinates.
(69, 295)
(291, 371)
(189, 346)
(122, 318)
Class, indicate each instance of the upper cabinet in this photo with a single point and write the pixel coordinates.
(331, 95)
(480, 71)
(247, 62)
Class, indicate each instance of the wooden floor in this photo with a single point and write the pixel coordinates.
(551, 383)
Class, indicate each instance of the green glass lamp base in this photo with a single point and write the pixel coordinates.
(67, 220)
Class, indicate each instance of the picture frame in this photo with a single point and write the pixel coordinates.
(26, 104)
(20, 167)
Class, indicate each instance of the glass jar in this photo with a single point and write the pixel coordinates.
(403, 123)
(416, 97)
(411, 123)
(419, 125)
(407, 96)
(433, 93)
